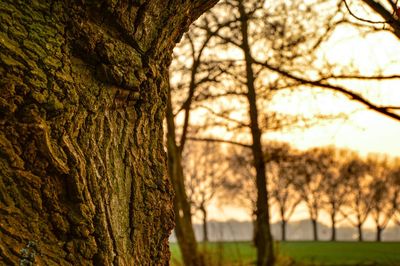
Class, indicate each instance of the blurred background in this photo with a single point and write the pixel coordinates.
(283, 127)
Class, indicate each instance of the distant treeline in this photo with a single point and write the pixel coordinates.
(234, 230)
(340, 182)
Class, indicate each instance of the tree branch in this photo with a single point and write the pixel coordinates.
(352, 95)
(363, 19)
(220, 141)
(222, 116)
(386, 15)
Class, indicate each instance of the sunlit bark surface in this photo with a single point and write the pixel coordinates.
(82, 99)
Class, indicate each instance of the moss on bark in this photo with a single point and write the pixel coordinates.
(82, 99)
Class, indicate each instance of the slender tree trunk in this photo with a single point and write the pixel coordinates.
(183, 217)
(333, 221)
(315, 229)
(205, 231)
(360, 234)
(82, 102)
(283, 229)
(379, 231)
(264, 243)
(283, 223)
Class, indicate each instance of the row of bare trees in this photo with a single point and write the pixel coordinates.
(338, 181)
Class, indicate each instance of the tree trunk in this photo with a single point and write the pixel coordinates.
(283, 230)
(379, 231)
(315, 229)
(82, 101)
(263, 238)
(205, 231)
(360, 235)
(283, 222)
(333, 221)
(183, 217)
(254, 222)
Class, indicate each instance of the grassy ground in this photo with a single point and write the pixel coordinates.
(303, 253)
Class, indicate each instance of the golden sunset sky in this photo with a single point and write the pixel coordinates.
(363, 130)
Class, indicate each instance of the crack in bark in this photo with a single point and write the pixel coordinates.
(71, 142)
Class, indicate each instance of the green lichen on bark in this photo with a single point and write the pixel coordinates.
(82, 96)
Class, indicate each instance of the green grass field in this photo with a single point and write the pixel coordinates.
(302, 253)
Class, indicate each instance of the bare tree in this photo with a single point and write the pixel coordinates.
(282, 174)
(384, 192)
(205, 173)
(239, 187)
(309, 183)
(183, 219)
(335, 185)
(395, 180)
(193, 76)
(248, 31)
(250, 22)
(359, 201)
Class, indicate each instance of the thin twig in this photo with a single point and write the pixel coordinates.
(363, 19)
(220, 141)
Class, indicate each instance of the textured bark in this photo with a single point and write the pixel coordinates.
(263, 238)
(82, 100)
(184, 228)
